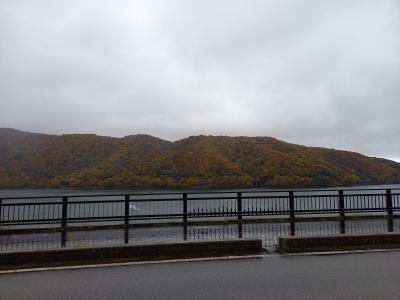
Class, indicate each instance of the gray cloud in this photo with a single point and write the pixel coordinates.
(322, 73)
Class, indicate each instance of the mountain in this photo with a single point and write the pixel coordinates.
(87, 160)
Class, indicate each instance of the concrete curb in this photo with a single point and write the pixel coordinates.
(125, 253)
(339, 252)
(133, 263)
(337, 243)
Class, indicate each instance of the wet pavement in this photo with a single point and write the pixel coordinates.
(269, 233)
(350, 276)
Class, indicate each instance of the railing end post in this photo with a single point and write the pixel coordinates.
(1, 216)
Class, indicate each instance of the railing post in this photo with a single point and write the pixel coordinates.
(341, 212)
(292, 219)
(184, 214)
(64, 216)
(1, 202)
(126, 220)
(389, 209)
(240, 214)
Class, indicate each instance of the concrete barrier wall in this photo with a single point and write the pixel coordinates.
(339, 242)
(133, 252)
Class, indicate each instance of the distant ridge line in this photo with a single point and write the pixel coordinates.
(143, 161)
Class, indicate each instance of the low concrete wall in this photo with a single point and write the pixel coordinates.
(131, 252)
(339, 242)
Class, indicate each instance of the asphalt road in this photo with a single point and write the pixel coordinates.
(351, 276)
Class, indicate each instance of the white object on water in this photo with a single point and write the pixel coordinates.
(134, 207)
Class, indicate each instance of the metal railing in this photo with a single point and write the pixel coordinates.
(239, 206)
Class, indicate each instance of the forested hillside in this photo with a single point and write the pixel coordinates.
(81, 160)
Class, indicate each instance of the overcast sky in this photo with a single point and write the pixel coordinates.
(318, 73)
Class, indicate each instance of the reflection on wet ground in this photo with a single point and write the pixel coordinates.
(269, 233)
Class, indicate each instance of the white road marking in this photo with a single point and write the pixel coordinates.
(122, 264)
(132, 263)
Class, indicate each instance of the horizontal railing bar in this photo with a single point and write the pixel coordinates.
(18, 231)
(130, 217)
(31, 203)
(263, 197)
(95, 201)
(193, 216)
(212, 198)
(95, 219)
(156, 200)
(190, 215)
(33, 221)
(199, 193)
(367, 195)
(123, 201)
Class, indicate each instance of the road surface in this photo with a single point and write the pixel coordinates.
(351, 276)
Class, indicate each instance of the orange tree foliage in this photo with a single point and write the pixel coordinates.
(32, 160)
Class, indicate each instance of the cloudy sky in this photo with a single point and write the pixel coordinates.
(318, 73)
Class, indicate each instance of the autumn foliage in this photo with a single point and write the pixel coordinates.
(138, 161)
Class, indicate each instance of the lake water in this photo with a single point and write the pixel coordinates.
(61, 192)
